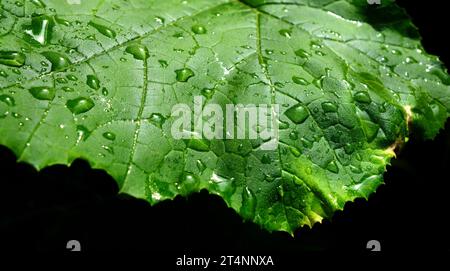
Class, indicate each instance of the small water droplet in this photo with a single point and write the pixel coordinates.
(159, 20)
(183, 75)
(109, 149)
(201, 166)
(297, 114)
(157, 119)
(43, 93)
(333, 167)
(7, 100)
(72, 77)
(109, 136)
(285, 33)
(80, 105)
(199, 29)
(138, 51)
(396, 52)
(38, 3)
(302, 54)
(61, 80)
(12, 58)
(105, 92)
(59, 61)
(68, 89)
(208, 92)
(108, 32)
(299, 80)
(93, 82)
(163, 63)
(306, 143)
(362, 97)
(293, 135)
(3, 74)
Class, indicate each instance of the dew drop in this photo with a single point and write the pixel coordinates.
(109, 136)
(108, 32)
(199, 29)
(248, 207)
(59, 61)
(7, 100)
(302, 53)
(109, 149)
(329, 107)
(82, 133)
(93, 82)
(208, 92)
(3, 74)
(157, 119)
(40, 29)
(61, 80)
(68, 89)
(183, 75)
(43, 93)
(72, 77)
(285, 33)
(12, 58)
(297, 114)
(80, 105)
(299, 81)
(105, 92)
(138, 51)
(362, 97)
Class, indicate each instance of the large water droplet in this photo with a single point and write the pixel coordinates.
(80, 105)
(59, 61)
(109, 136)
(108, 32)
(93, 82)
(43, 93)
(297, 114)
(40, 29)
(199, 29)
(329, 107)
(7, 100)
(138, 51)
(362, 97)
(12, 58)
(183, 75)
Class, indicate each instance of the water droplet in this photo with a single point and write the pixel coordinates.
(109, 149)
(329, 107)
(80, 105)
(38, 3)
(109, 136)
(159, 20)
(410, 60)
(72, 77)
(207, 92)
(7, 100)
(333, 167)
(61, 80)
(302, 53)
(105, 92)
(383, 59)
(248, 207)
(183, 75)
(266, 159)
(285, 33)
(40, 29)
(362, 97)
(93, 82)
(396, 52)
(163, 63)
(306, 143)
(199, 29)
(201, 145)
(201, 166)
(82, 133)
(138, 51)
(157, 119)
(299, 81)
(59, 61)
(43, 93)
(3, 74)
(297, 114)
(269, 51)
(108, 32)
(12, 58)
(62, 21)
(68, 89)
(355, 169)
(293, 135)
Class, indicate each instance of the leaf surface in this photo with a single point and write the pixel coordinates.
(98, 79)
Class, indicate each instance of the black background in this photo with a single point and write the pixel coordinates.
(42, 211)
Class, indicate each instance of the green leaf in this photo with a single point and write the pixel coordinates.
(98, 79)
